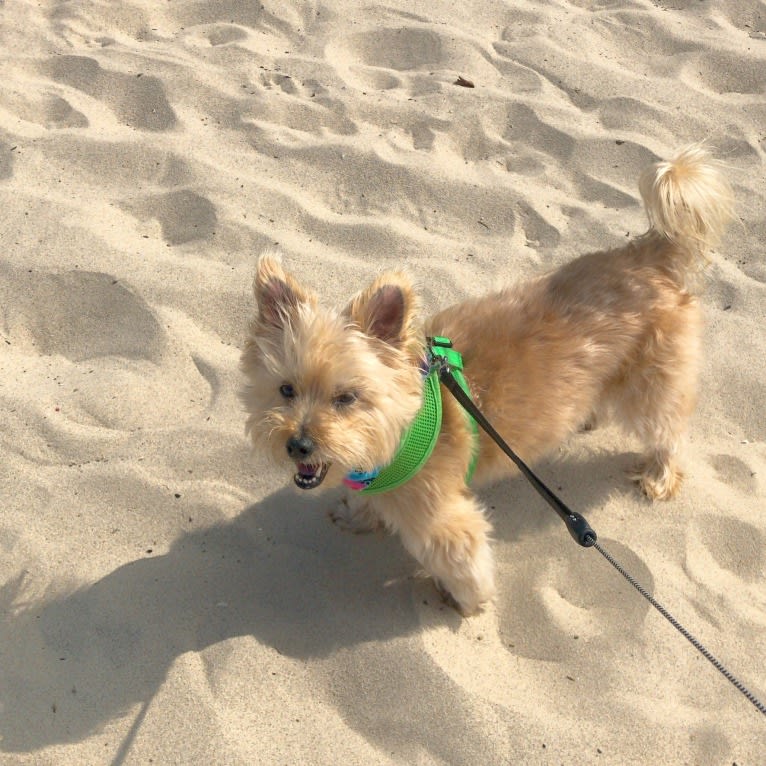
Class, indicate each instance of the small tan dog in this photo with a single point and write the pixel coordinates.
(333, 391)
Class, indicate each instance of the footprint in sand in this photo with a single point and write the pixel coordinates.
(415, 58)
(284, 20)
(184, 216)
(81, 315)
(735, 472)
(571, 600)
(121, 166)
(401, 49)
(537, 230)
(724, 73)
(623, 112)
(115, 364)
(608, 169)
(524, 126)
(57, 112)
(138, 100)
(46, 109)
(303, 105)
(736, 546)
(223, 34)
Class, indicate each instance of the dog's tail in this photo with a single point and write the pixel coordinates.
(688, 201)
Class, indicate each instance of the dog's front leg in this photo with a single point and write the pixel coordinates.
(451, 541)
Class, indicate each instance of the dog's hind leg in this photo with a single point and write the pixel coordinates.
(659, 398)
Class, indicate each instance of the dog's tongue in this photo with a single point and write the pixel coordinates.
(307, 470)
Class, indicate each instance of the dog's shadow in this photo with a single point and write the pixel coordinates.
(70, 663)
(278, 571)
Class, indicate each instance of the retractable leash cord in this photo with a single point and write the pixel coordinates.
(577, 525)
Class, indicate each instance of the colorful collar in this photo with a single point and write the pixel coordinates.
(420, 438)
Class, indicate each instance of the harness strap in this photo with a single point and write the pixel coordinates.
(442, 353)
(420, 438)
(414, 450)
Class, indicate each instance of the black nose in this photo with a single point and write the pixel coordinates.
(299, 447)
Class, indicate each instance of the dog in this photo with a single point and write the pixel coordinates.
(333, 392)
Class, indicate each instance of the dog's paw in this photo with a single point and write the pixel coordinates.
(657, 480)
(469, 607)
(449, 600)
(353, 517)
(470, 586)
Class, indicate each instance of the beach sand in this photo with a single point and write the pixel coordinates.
(165, 596)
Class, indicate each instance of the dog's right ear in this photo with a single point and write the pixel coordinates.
(277, 294)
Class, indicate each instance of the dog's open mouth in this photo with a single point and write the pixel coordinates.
(310, 476)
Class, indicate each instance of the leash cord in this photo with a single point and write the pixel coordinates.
(714, 661)
(576, 524)
(581, 531)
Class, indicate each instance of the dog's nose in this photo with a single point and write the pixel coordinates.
(299, 447)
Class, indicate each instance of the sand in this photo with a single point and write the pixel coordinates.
(168, 598)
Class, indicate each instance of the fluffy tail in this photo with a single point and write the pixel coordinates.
(687, 200)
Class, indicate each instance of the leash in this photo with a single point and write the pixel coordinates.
(578, 527)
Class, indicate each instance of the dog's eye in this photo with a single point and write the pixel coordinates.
(287, 391)
(344, 399)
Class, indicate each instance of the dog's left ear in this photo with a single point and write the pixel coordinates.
(386, 310)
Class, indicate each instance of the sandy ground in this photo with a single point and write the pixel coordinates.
(168, 599)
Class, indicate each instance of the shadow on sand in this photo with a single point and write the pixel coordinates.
(70, 663)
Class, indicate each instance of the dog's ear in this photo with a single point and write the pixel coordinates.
(277, 294)
(386, 310)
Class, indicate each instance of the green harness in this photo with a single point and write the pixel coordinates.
(420, 438)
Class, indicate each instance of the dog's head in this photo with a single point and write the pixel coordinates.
(330, 391)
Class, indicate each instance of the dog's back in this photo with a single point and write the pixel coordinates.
(616, 331)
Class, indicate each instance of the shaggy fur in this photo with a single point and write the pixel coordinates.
(612, 333)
